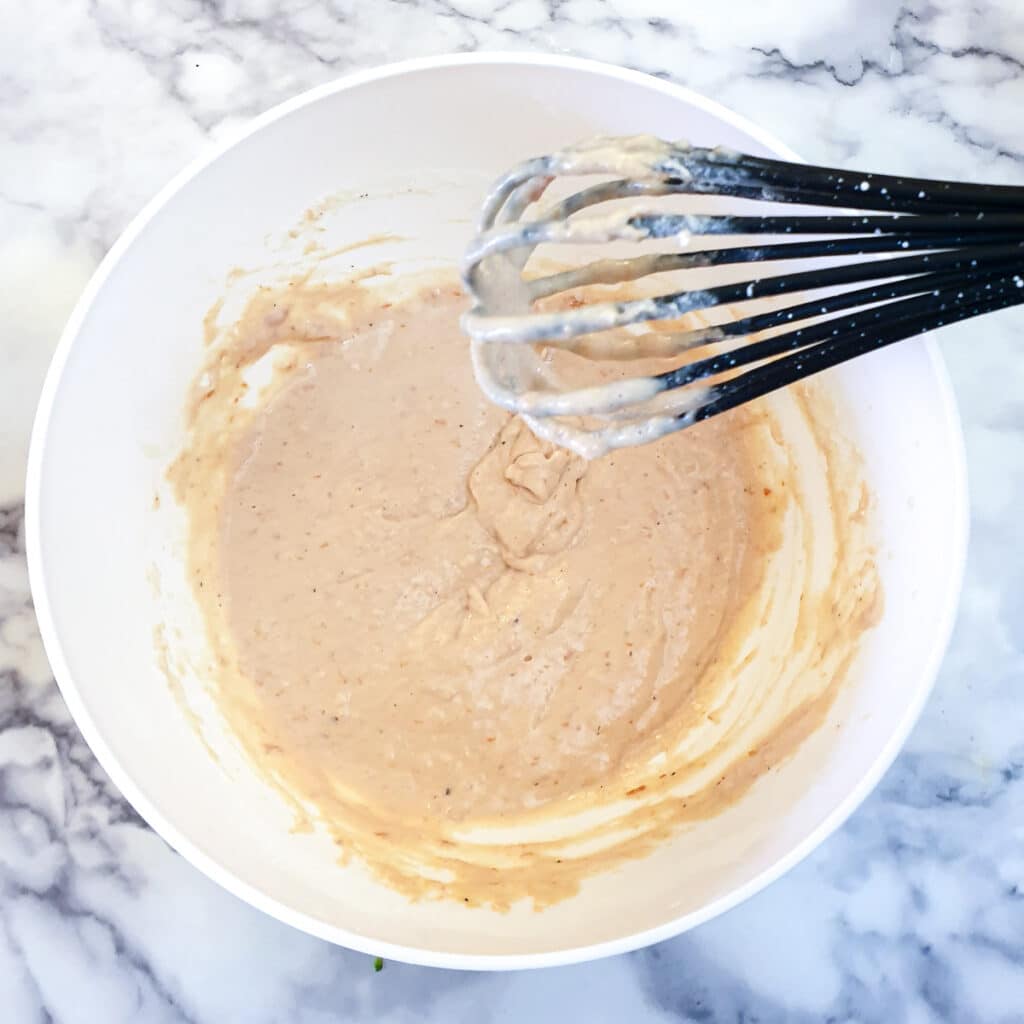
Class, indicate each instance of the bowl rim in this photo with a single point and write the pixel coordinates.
(251, 894)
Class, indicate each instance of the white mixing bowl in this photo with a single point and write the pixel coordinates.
(111, 416)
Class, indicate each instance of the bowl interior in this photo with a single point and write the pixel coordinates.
(105, 563)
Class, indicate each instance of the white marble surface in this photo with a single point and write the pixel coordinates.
(913, 912)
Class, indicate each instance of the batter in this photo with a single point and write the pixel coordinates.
(492, 666)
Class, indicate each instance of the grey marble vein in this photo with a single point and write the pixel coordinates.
(913, 912)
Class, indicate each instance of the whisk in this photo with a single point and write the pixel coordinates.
(920, 254)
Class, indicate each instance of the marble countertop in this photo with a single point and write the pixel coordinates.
(913, 912)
